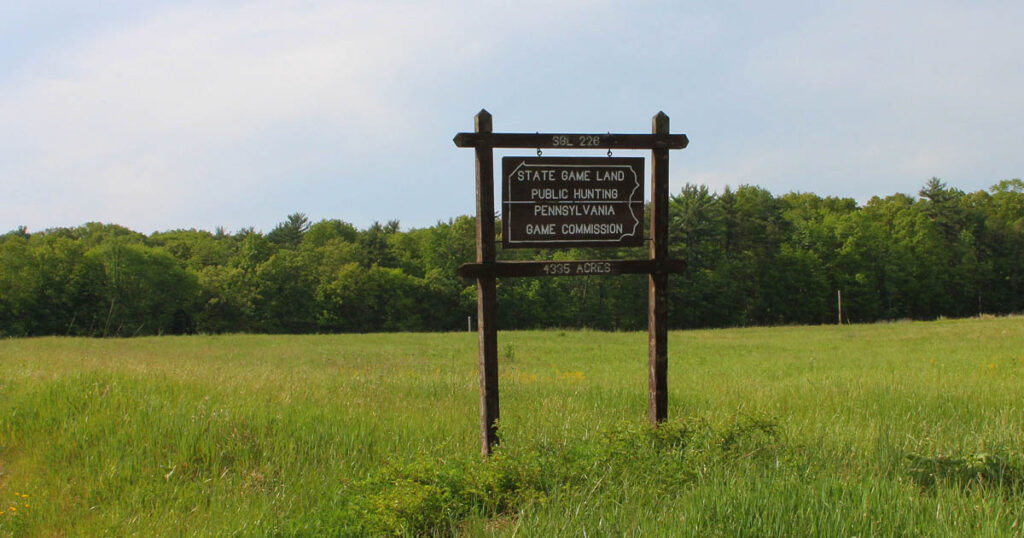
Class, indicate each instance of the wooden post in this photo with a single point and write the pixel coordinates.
(839, 306)
(486, 293)
(657, 317)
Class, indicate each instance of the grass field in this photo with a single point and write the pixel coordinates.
(872, 430)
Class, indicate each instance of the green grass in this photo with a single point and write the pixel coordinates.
(886, 429)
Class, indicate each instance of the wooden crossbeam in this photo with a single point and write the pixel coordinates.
(505, 269)
(572, 140)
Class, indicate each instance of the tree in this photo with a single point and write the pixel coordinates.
(227, 300)
(69, 299)
(145, 290)
(375, 241)
(753, 258)
(285, 286)
(254, 249)
(371, 299)
(18, 287)
(288, 234)
(325, 231)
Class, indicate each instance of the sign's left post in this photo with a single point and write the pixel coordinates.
(486, 292)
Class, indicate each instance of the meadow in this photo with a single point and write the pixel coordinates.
(862, 430)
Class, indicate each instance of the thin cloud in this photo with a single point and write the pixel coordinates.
(236, 114)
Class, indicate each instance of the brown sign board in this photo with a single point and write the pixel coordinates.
(566, 202)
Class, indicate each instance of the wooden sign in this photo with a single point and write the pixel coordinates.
(565, 202)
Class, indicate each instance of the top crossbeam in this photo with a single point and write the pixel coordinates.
(571, 140)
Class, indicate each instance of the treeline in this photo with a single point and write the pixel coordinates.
(754, 259)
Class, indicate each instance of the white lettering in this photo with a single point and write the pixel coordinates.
(593, 268)
(573, 210)
(610, 175)
(549, 194)
(595, 194)
(591, 228)
(540, 229)
(576, 175)
(535, 175)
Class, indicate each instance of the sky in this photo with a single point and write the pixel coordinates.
(174, 115)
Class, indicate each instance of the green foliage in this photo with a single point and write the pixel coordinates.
(227, 300)
(357, 299)
(283, 302)
(322, 232)
(432, 496)
(17, 286)
(753, 259)
(143, 286)
(195, 250)
(288, 234)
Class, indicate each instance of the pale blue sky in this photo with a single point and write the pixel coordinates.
(164, 115)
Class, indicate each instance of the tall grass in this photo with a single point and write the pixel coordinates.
(887, 429)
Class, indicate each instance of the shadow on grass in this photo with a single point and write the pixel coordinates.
(985, 471)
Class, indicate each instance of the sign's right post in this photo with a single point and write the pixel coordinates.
(657, 316)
